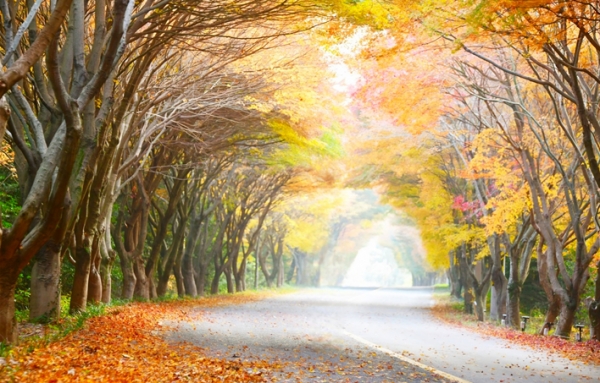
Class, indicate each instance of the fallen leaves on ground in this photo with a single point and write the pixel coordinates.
(126, 346)
(584, 352)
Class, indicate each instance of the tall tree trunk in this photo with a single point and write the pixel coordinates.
(481, 286)
(4, 115)
(280, 273)
(237, 282)
(214, 285)
(499, 296)
(256, 262)
(300, 264)
(269, 281)
(8, 322)
(515, 287)
(83, 263)
(513, 305)
(553, 300)
(141, 290)
(262, 261)
(45, 276)
(230, 282)
(178, 275)
(290, 273)
(552, 313)
(128, 276)
(151, 287)
(466, 281)
(593, 306)
(229, 279)
(202, 264)
(454, 276)
(594, 314)
(242, 277)
(566, 319)
(161, 233)
(45, 282)
(256, 274)
(499, 283)
(175, 253)
(163, 281)
(187, 270)
(277, 274)
(106, 266)
(202, 260)
(479, 306)
(201, 284)
(187, 263)
(303, 279)
(95, 281)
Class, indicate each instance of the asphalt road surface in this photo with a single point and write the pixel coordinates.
(373, 335)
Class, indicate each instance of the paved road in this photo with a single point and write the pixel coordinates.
(383, 335)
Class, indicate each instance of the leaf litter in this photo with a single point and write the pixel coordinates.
(587, 352)
(126, 345)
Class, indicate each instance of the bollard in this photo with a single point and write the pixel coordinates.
(503, 321)
(579, 335)
(524, 320)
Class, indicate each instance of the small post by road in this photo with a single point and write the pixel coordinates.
(579, 334)
(548, 327)
(503, 321)
(524, 320)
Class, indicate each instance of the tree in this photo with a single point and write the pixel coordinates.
(271, 244)
(537, 150)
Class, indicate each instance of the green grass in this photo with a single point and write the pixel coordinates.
(441, 288)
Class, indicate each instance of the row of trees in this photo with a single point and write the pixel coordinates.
(155, 133)
(508, 170)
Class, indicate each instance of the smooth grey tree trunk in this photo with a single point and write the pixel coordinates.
(45, 283)
(106, 266)
(128, 277)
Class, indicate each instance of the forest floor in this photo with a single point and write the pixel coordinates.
(587, 352)
(127, 344)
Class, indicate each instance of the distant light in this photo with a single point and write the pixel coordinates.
(376, 266)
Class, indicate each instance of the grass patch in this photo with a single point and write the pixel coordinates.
(441, 288)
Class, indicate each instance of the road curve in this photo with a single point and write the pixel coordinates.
(369, 335)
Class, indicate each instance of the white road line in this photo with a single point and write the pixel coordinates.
(405, 359)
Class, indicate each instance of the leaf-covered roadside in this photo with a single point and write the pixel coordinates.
(126, 346)
(585, 352)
